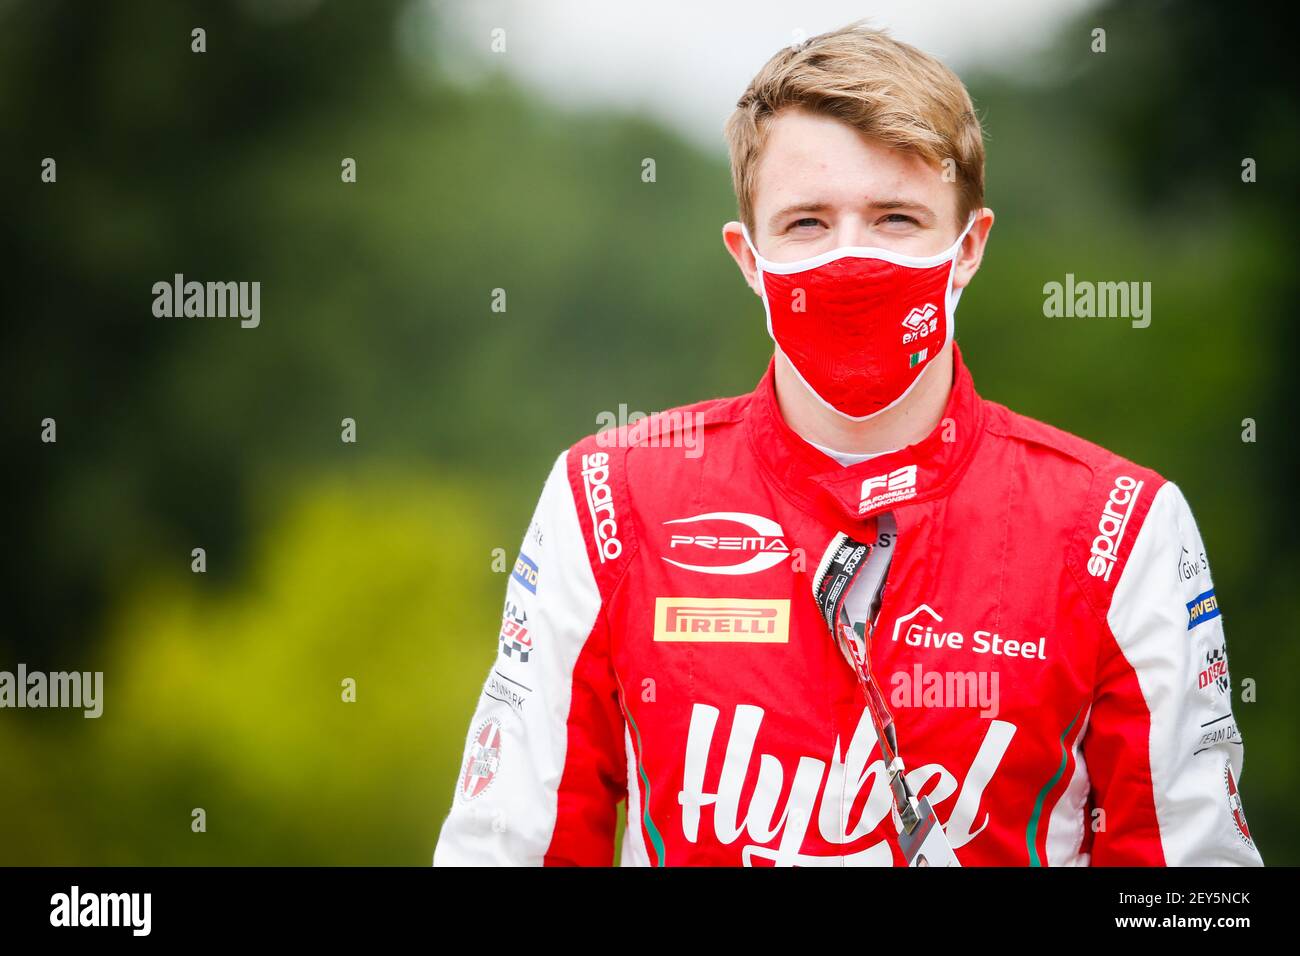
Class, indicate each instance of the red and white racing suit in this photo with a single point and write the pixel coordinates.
(1049, 643)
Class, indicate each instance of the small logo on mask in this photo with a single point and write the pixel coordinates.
(920, 322)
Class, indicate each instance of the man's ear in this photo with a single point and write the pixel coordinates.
(971, 253)
(734, 240)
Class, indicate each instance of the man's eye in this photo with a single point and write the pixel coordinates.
(805, 222)
(900, 217)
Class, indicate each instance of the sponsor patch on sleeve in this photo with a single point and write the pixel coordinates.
(1202, 608)
(525, 572)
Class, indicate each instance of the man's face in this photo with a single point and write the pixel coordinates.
(821, 184)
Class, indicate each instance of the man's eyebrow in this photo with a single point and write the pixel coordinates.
(920, 210)
(906, 205)
(911, 205)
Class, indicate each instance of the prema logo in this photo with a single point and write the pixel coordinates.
(600, 503)
(897, 485)
(1111, 527)
(766, 543)
(722, 620)
(920, 322)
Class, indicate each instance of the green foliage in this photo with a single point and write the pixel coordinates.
(230, 698)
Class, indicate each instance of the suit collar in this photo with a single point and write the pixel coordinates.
(847, 496)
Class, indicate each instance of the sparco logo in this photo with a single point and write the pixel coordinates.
(898, 485)
(1111, 527)
(920, 323)
(820, 794)
(766, 543)
(600, 502)
(849, 559)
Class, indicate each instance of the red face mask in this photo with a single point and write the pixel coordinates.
(859, 324)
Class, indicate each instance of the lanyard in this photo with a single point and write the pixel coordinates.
(845, 559)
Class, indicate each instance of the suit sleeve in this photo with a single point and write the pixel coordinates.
(544, 766)
(1163, 750)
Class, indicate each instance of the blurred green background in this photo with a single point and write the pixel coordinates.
(375, 560)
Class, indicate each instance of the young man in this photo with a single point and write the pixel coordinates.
(878, 620)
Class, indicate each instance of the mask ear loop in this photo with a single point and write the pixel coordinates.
(762, 287)
(758, 265)
(951, 296)
(744, 231)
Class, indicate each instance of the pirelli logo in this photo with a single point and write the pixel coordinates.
(722, 620)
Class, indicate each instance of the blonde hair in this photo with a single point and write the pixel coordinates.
(882, 87)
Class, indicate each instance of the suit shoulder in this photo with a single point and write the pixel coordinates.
(1104, 498)
(654, 453)
(1055, 447)
(652, 441)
